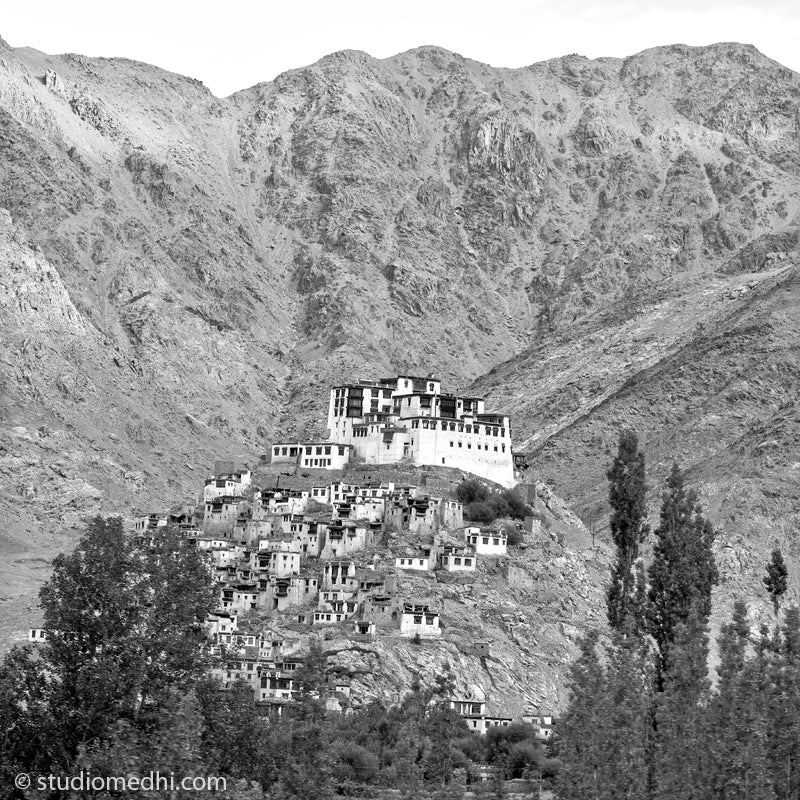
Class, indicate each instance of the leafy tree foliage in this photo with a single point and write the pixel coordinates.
(471, 491)
(737, 763)
(775, 580)
(679, 764)
(481, 505)
(683, 571)
(124, 625)
(782, 692)
(516, 748)
(604, 741)
(230, 727)
(581, 743)
(627, 497)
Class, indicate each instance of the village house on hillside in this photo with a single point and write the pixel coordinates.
(408, 418)
(318, 553)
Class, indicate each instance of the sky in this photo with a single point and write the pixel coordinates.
(235, 44)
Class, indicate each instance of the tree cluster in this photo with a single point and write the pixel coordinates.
(482, 505)
(737, 740)
(645, 720)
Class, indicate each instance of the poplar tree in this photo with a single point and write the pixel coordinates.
(775, 580)
(627, 497)
(580, 736)
(679, 763)
(629, 727)
(738, 766)
(784, 708)
(683, 572)
(604, 739)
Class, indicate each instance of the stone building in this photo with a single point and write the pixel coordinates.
(409, 418)
(486, 543)
(314, 455)
(419, 619)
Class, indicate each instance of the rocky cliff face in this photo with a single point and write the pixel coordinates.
(607, 242)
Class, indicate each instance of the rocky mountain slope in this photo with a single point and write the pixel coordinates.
(607, 242)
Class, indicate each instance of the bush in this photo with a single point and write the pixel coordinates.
(514, 536)
(551, 767)
(500, 741)
(499, 505)
(518, 508)
(472, 747)
(493, 506)
(480, 512)
(352, 761)
(523, 757)
(471, 491)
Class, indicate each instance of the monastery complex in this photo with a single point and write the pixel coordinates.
(408, 419)
(294, 555)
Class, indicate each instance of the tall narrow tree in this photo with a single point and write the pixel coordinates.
(775, 580)
(604, 740)
(581, 740)
(683, 571)
(627, 496)
(629, 727)
(681, 733)
(737, 766)
(784, 707)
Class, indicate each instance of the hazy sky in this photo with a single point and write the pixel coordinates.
(232, 45)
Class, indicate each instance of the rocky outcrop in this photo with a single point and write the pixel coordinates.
(52, 80)
(94, 112)
(33, 298)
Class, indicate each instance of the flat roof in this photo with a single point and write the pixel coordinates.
(310, 444)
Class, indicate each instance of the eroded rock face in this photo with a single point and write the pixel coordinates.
(594, 237)
(52, 80)
(33, 298)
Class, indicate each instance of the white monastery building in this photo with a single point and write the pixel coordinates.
(406, 417)
(486, 543)
(419, 619)
(319, 455)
